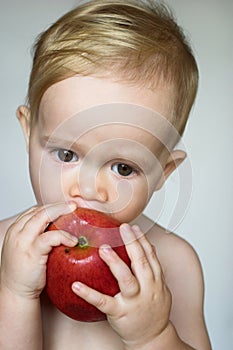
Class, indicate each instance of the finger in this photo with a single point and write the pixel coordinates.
(41, 217)
(127, 282)
(139, 261)
(105, 303)
(21, 220)
(26, 213)
(150, 252)
(49, 239)
(17, 226)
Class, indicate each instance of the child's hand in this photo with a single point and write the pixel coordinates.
(140, 312)
(26, 248)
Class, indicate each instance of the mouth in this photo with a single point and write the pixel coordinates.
(82, 203)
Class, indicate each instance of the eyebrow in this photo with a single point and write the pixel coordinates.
(56, 140)
(61, 142)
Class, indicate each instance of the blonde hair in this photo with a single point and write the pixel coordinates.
(138, 41)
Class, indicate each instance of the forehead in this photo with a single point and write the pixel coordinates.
(77, 105)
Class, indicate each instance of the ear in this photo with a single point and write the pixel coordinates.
(24, 116)
(174, 160)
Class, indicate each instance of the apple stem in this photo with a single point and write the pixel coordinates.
(82, 242)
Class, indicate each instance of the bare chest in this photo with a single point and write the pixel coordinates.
(62, 333)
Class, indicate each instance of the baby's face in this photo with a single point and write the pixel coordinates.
(101, 144)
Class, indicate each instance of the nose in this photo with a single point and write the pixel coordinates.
(90, 186)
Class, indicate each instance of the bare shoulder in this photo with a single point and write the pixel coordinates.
(184, 277)
(173, 250)
(179, 260)
(181, 265)
(6, 223)
(4, 226)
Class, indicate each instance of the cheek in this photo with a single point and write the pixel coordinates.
(45, 180)
(132, 199)
(139, 199)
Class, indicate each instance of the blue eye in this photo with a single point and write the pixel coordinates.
(66, 156)
(123, 169)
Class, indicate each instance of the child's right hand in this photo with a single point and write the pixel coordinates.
(26, 248)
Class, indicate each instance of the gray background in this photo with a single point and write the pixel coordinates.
(208, 139)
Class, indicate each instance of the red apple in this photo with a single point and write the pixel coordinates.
(82, 262)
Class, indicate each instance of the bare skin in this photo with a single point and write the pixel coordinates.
(59, 330)
(160, 304)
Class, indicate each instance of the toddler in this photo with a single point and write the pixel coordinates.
(110, 91)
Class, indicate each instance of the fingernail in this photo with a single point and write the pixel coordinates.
(106, 248)
(136, 228)
(127, 233)
(125, 228)
(74, 238)
(137, 231)
(76, 286)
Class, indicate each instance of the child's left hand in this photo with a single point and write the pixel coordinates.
(140, 311)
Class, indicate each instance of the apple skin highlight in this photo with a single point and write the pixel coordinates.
(82, 263)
